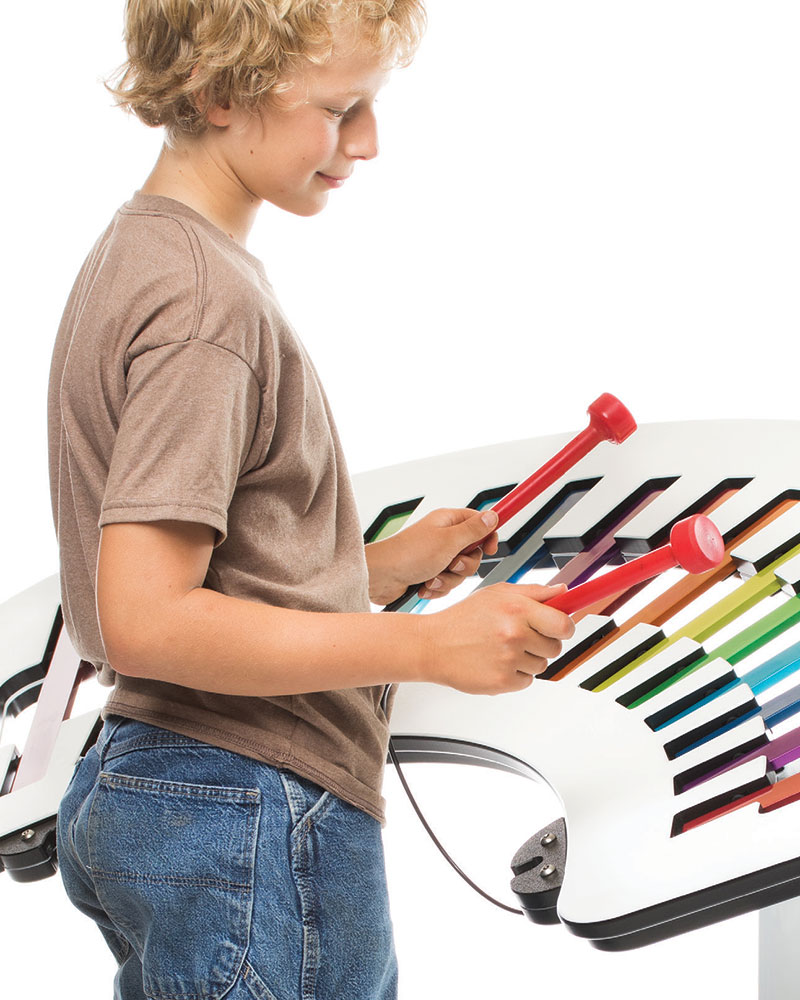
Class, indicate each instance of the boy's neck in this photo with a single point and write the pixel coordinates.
(193, 174)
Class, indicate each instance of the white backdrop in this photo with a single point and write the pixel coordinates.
(573, 197)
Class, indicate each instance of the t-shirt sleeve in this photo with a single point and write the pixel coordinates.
(186, 429)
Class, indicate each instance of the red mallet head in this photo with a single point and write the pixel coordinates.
(610, 419)
(697, 544)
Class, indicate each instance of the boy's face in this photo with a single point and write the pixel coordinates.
(306, 143)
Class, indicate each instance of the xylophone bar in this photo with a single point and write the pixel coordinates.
(32, 784)
(765, 584)
(53, 706)
(748, 595)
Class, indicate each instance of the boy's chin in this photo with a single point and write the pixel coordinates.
(305, 207)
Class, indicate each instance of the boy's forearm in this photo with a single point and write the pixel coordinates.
(213, 642)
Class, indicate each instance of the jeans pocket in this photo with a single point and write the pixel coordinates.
(173, 866)
(306, 800)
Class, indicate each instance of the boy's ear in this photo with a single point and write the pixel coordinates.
(218, 114)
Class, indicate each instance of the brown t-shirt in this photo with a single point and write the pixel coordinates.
(179, 391)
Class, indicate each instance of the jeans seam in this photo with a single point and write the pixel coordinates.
(134, 878)
(293, 798)
(305, 890)
(184, 789)
(301, 830)
(255, 984)
(296, 803)
(102, 749)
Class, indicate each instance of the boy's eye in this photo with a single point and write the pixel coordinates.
(337, 113)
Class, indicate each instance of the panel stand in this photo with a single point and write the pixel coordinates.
(778, 952)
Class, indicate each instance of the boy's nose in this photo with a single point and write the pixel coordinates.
(361, 139)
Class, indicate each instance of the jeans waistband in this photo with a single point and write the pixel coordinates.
(120, 735)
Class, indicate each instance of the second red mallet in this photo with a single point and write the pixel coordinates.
(695, 545)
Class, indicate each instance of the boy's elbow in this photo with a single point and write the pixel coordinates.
(127, 650)
(133, 631)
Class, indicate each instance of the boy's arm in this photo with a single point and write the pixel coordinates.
(159, 622)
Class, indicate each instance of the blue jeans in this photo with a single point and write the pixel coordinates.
(213, 875)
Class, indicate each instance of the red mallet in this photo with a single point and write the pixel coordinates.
(695, 545)
(609, 420)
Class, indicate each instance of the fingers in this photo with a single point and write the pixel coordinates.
(463, 566)
(545, 620)
(525, 680)
(447, 542)
(538, 665)
(466, 564)
(490, 544)
(441, 585)
(498, 639)
(539, 592)
(543, 646)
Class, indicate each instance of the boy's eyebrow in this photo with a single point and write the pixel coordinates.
(349, 95)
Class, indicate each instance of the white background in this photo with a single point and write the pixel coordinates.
(573, 197)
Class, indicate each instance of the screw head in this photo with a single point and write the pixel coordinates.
(548, 839)
(547, 871)
(28, 834)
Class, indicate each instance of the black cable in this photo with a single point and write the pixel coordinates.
(432, 835)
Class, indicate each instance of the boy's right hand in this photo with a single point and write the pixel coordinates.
(496, 640)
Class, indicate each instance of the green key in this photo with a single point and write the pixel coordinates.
(742, 644)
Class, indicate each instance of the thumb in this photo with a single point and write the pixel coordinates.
(540, 592)
(474, 529)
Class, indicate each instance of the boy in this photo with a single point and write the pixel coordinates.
(224, 833)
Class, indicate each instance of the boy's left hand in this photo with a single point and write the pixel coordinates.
(430, 550)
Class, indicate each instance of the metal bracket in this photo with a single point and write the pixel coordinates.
(538, 868)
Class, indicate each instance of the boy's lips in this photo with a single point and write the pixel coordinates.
(333, 182)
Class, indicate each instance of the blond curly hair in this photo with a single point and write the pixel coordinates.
(184, 55)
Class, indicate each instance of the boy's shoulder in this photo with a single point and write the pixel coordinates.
(167, 243)
(177, 277)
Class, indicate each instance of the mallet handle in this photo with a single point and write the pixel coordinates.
(552, 470)
(615, 581)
